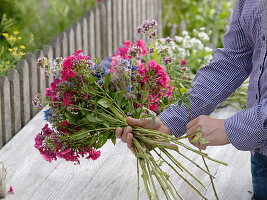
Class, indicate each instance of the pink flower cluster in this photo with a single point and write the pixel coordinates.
(56, 92)
(57, 149)
(159, 83)
(123, 51)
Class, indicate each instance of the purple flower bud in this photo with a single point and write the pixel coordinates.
(167, 60)
(153, 23)
(168, 39)
(151, 50)
(184, 69)
(139, 29)
(134, 51)
(153, 34)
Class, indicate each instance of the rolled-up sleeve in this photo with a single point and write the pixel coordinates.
(217, 81)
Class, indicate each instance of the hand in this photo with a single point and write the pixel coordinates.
(212, 130)
(126, 133)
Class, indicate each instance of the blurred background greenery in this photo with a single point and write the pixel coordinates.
(27, 25)
(214, 15)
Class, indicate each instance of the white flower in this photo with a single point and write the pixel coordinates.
(185, 33)
(203, 36)
(208, 58)
(208, 49)
(196, 43)
(178, 39)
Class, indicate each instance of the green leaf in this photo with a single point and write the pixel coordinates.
(90, 118)
(107, 81)
(162, 173)
(113, 139)
(80, 134)
(105, 102)
(92, 141)
(203, 141)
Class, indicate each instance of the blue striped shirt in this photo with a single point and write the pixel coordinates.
(244, 55)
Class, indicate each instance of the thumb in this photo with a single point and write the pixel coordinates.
(135, 122)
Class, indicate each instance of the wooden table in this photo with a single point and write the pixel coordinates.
(113, 175)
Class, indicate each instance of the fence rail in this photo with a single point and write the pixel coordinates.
(98, 33)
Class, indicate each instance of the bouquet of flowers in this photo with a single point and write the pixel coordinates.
(90, 98)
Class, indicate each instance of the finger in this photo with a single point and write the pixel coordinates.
(203, 147)
(136, 122)
(119, 132)
(190, 139)
(129, 141)
(192, 123)
(125, 133)
(193, 129)
(197, 144)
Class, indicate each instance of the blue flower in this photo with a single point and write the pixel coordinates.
(48, 115)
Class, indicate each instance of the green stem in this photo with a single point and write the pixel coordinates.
(211, 179)
(190, 184)
(180, 165)
(197, 165)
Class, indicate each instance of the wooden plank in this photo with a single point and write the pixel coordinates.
(23, 70)
(110, 22)
(71, 40)
(35, 179)
(41, 75)
(15, 98)
(2, 180)
(64, 44)
(159, 17)
(98, 31)
(5, 109)
(78, 35)
(90, 18)
(120, 22)
(103, 27)
(124, 21)
(31, 60)
(130, 32)
(134, 20)
(56, 45)
(1, 129)
(115, 31)
(48, 53)
(84, 27)
(236, 178)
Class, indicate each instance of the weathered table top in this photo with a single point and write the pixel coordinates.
(113, 175)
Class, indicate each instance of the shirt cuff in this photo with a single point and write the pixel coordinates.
(246, 130)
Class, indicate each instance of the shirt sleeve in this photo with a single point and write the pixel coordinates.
(217, 81)
(247, 130)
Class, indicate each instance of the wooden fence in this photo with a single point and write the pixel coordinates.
(98, 34)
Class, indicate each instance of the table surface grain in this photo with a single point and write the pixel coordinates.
(113, 175)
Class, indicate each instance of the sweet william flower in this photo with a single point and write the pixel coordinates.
(182, 62)
(11, 190)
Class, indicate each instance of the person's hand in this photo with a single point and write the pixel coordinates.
(126, 133)
(212, 130)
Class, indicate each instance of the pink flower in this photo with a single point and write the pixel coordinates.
(77, 52)
(94, 155)
(182, 62)
(85, 96)
(11, 191)
(64, 123)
